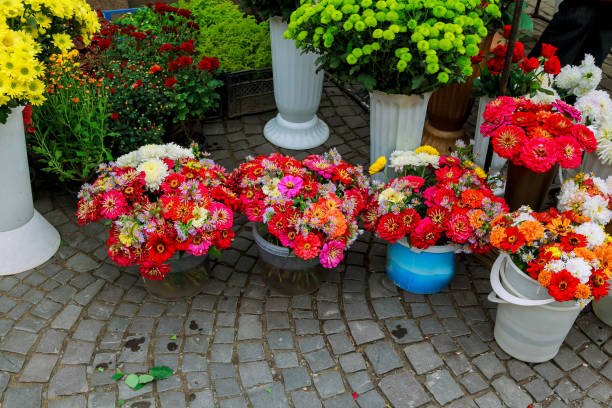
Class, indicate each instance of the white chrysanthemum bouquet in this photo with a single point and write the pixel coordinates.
(587, 196)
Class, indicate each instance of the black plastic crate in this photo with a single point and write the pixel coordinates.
(247, 92)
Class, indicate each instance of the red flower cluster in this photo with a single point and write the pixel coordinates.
(495, 63)
(159, 207)
(537, 135)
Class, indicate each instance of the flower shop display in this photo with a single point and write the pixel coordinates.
(438, 205)
(305, 214)
(535, 137)
(529, 77)
(29, 33)
(591, 197)
(553, 265)
(162, 200)
(68, 133)
(399, 50)
(149, 62)
(298, 83)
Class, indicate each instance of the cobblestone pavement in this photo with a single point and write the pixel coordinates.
(353, 343)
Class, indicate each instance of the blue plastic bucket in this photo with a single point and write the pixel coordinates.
(420, 271)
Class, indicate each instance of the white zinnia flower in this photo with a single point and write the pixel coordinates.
(593, 232)
(155, 172)
(271, 188)
(579, 268)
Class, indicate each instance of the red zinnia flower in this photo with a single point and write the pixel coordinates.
(459, 228)
(112, 204)
(508, 140)
(153, 271)
(599, 286)
(573, 240)
(439, 215)
(307, 247)
(391, 228)
(159, 248)
(524, 119)
(169, 83)
(559, 124)
(569, 152)
(513, 240)
(410, 218)
(425, 234)
(563, 286)
(548, 50)
(538, 154)
(585, 137)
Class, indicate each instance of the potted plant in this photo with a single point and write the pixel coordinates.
(298, 83)
(29, 35)
(438, 205)
(529, 77)
(591, 197)
(535, 137)
(399, 50)
(553, 265)
(305, 214)
(162, 200)
(449, 106)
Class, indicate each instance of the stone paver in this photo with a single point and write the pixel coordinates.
(68, 325)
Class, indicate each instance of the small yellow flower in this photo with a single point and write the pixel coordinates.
(427, 149)
(378, 165)
(480, 173)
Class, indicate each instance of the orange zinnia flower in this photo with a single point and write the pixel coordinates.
(476, 218)
(544, 278)
(582, 291)
(498, 235)
(532, 230)
(559, 226)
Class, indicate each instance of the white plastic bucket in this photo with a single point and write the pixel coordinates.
(603, 308)
(530, 330)
(519, 283)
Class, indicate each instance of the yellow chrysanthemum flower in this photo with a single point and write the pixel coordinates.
(427, 149)
(378, 165)
(62, 41)
(43, 20)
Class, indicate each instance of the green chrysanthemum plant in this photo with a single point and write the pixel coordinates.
(397, 46)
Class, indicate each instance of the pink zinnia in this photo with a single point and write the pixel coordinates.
(459, 229)
(200, 248)
(538, 154)
(112, 204)
(500, 109)
(569, 152)
(569, 109)
(290, 186)
(319, 165)
(254, 210)
(221, 216)
(331, 254)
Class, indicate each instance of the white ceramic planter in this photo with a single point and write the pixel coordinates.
(481, 143)
(297, 91)
(26, 238)
(396, 122)
(603, 308)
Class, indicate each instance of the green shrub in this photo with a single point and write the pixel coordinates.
(226, 32)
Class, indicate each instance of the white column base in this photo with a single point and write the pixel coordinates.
(28, 246)
(296, 136)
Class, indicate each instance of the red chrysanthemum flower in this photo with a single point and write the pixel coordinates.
(563, 286)
(538, 154)
(599, 286)
(307, 247)
(507, 141)
(513, 240)
(585, 137)
(391, 227)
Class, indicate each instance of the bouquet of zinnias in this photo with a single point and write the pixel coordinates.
(310, 206)
(160, 199)
(588, 196)
(536, 135)
(567, 256)
(436, 200)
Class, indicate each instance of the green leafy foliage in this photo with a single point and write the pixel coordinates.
(160, 372)
(137, 381)
(132, 381)
(238, 40)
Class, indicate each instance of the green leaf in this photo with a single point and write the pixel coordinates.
(101, 369)
(120, 402)
(160, 372)
(131, 381)
(145, 378)
(214, 251)
(269, 390)
(107, 222)
(173, 337)
(64, 244)
(118, 376)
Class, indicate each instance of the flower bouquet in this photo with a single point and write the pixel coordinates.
(553, 265)
(535, 137)
(438, 205)
(160, 199)
(309, 207)
(587, 196)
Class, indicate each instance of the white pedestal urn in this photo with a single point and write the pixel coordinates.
(481, 143)
(26, 238)
(396, 122)
(297, 91)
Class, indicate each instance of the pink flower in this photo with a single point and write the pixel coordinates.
(319, 165)
(221, 216)
(500, 109)
(459, 229)
(569, 152)
(254, 210)
(290, 186)
(538, 154)
(331, 254)
(569, 109)
(112, 204)
(199, 249)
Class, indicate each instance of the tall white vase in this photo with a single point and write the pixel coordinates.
(297, 91)
(26, 238)
(396, 122)
(592, 164)
(481, 143)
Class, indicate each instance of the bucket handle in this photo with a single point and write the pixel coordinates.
(503, 295)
